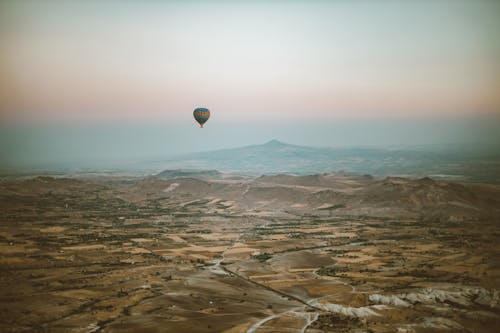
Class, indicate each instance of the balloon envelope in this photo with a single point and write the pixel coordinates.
(201, 115)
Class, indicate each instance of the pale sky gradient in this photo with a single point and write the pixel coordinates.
(109, 61)
(95, 82)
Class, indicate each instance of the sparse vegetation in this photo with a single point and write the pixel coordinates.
(128, 253)
(262, 257)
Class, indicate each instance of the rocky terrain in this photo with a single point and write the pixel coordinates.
(316, 253)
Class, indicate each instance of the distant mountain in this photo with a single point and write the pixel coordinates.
(276, 157)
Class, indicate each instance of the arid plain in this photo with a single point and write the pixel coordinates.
(317, 253)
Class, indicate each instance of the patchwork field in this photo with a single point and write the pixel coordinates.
(321, 253)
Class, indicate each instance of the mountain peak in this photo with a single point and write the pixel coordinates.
(275, 143)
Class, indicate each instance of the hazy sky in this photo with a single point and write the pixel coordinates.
(119, 79)
(106, 60)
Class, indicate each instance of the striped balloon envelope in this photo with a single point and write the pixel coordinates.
(201, 115)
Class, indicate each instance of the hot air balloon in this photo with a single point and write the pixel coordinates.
(201, 115)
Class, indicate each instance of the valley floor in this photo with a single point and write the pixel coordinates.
(79, 256)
